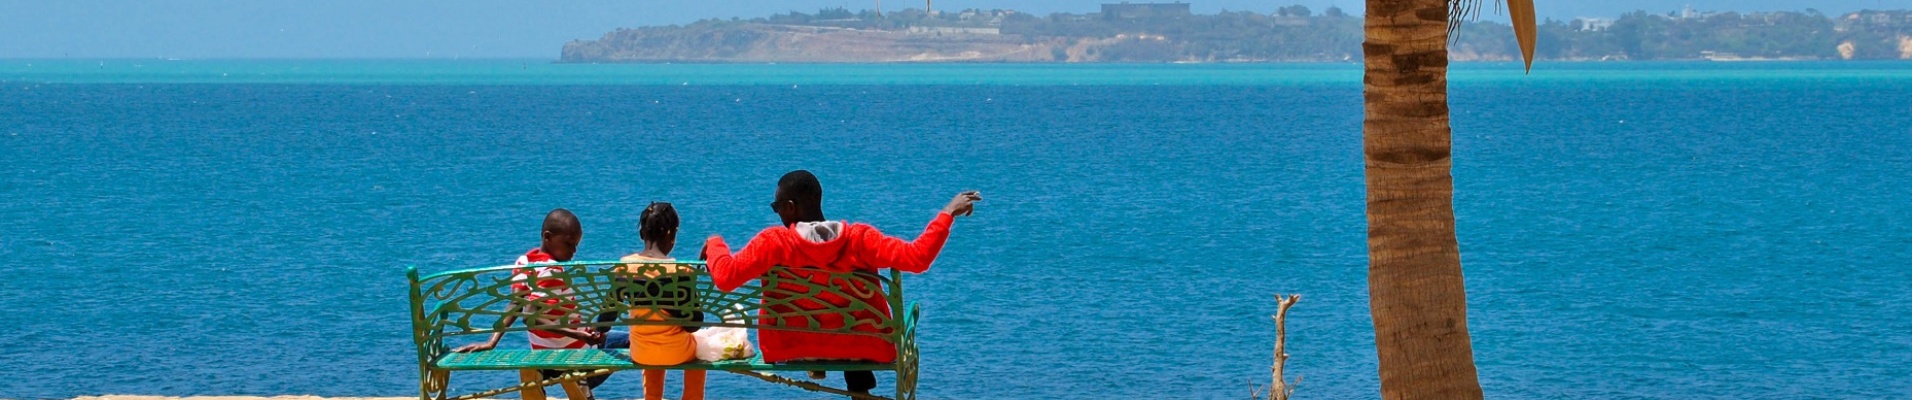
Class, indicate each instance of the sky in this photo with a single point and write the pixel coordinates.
(201, 29)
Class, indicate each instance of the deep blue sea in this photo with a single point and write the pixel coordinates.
(1637, 230)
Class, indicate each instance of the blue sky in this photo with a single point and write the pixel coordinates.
(526, 28)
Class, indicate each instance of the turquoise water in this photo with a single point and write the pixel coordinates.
(1659, 230)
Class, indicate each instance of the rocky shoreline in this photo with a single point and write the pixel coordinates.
(998, 36)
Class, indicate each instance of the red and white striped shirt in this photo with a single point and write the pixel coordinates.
(552, 293)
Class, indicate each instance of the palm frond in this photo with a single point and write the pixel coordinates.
(1462, 11)
(1519, 12)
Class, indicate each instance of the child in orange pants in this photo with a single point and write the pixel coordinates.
(664, 344)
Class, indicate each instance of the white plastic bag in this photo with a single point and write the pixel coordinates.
(720, 343)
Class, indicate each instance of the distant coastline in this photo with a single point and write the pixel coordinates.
(1169, 33)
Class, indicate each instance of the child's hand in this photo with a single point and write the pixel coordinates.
(964, 204)
(586, 335)
(475, 347)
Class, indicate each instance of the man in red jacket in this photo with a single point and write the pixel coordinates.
(806, 239)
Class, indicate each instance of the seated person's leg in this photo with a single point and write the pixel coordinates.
(653, 384)
(616, 340)
(528, 376)
(613, 340)
(694, 384)
(859, 381)
(593, 382)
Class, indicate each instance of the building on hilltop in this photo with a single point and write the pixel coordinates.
(1132, 11)
(1874, 19)
(1589, 24)
(939, 30)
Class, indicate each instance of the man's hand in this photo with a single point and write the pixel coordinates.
(964, 204)
(475, 347)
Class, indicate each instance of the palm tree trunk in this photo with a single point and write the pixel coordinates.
(1415, 291)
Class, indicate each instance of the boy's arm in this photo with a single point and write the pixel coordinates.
(510, 316)
(728, 271)
(591, 337)
(587, 336)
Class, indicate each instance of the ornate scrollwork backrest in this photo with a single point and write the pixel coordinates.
(603, 294)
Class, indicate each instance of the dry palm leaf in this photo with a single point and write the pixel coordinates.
(1520, 12)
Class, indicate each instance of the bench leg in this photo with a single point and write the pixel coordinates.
(906, 383)
(440, 383)
(529, 376)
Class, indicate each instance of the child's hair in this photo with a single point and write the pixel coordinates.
(657, 223)
(562, 222)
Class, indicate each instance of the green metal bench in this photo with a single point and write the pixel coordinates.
(472, 302)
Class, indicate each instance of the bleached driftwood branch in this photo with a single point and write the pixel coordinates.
(1281, 389)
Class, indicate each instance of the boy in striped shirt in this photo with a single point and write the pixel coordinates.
(559, 242)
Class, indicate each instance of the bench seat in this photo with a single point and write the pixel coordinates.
(515, 359)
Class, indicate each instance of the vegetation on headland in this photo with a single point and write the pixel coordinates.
(1293, 33)
(1686, 35)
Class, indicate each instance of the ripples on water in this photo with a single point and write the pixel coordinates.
(1622, 238)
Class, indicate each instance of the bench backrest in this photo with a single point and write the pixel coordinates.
(472, 302)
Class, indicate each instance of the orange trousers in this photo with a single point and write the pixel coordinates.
(654, 384)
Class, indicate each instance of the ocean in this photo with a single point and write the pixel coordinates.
(1628, 230)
